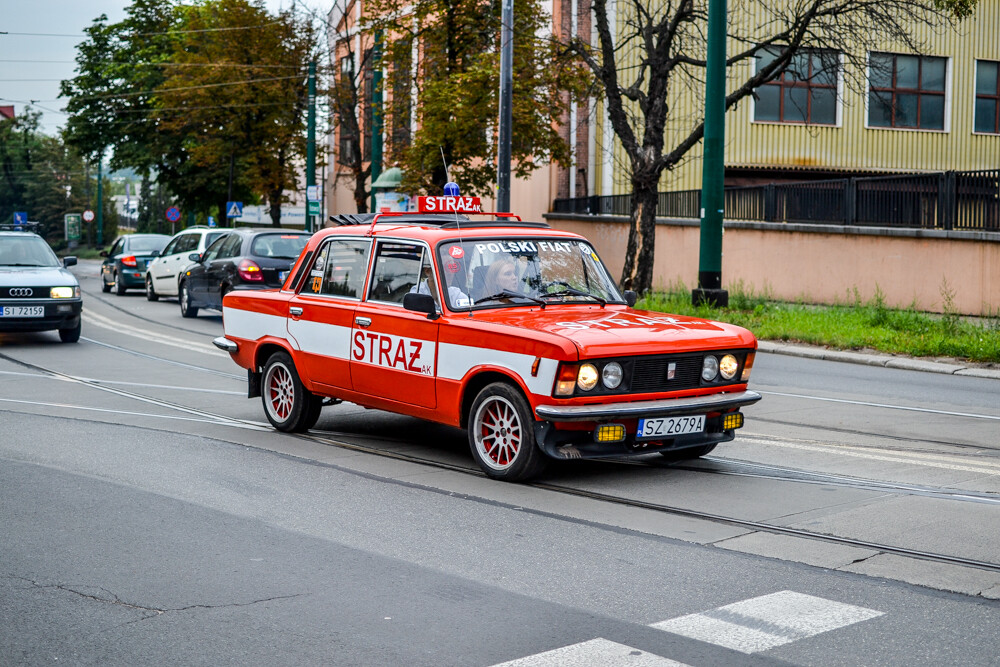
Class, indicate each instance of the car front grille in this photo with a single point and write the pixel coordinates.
(651, 374)
(24, 292)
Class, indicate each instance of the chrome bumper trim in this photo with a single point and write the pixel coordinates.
(658, 408)
(225, 344)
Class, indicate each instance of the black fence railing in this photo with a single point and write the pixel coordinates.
(964, 200)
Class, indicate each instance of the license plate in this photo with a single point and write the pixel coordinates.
(282, 275)
(666, 427)
(22, 311)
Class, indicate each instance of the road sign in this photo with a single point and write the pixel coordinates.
(211, 221)
(312, 208)
(72, 222)
(312, 193)
(88, 216)
(173, 214)
(20, 217)
(234, 209)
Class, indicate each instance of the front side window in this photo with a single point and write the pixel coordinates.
(215, 249)
(519, 272)
(906, 91)
(339, 269)
(806, 92)
(987, 97)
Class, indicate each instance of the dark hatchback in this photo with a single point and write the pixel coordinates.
(37, 293)
(124, 266)
(243, 259)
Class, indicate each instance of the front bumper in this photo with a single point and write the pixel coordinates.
(59, 314)
(574, 443)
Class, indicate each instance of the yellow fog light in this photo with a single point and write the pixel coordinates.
(728, 367)
(62, 293)
(609, 433)
(587, 377)
(732, 421)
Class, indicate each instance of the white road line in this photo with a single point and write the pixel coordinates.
(131, 384)
(593, 653)
(939, 461)
(220, 422)
(880, 405)
(762, 623)
(107, 323)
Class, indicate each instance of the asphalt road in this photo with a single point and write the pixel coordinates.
(150, 516)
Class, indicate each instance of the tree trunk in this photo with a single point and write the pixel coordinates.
(360, 193)
(637, 274)
(274, 198)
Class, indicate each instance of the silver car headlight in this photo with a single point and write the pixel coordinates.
(611, 375)
(64, 292)
(709, 368)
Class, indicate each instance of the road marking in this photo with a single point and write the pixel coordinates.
(107, 323)
(221, 421)
(131, 384)
(881, 405)
(594, 652)
(762, 623)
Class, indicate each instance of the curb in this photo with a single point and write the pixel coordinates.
(884, 360)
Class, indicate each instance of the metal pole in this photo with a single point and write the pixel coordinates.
(100, 202)
(713, 168)
(376, 118)
(311, 140)
(506, 87)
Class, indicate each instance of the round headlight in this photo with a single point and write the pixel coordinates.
(611, 376)
(728, 367)
(709, 368)
(586, 379)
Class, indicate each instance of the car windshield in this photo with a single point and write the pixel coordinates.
(26, 251)
(147, 243)
(500, 272)
(279, 246)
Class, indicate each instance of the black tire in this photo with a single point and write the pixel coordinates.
(70, 335)
(151, 294)
(689, 453)
(289, 406)
(502, 435)
(184, 298)
(120, 288)
(104, 286)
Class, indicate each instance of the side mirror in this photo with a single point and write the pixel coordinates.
(69, 260)
(195, 257)
(155, 253)
(630, 298)
(421, 303)
(104, 253)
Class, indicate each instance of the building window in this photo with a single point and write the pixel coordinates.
(906, 91)
(806, 92)
(987, 97)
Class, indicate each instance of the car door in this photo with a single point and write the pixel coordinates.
(197, 276)
(108, 265)
(163, 271)
(218, 270)
(394, 350)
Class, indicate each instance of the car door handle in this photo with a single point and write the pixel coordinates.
(295, 310)
(363, 322)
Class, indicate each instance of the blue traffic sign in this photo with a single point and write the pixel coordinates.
(173, 214)
(20, 217)
(234, 209)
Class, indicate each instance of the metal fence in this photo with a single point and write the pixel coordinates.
(964, 200)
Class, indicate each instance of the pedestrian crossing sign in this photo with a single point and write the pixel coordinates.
(234, 209)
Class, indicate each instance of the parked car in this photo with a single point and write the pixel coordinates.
(37, 293)
(512, 330)
(124, 265)
(162, 272)
(245, 258)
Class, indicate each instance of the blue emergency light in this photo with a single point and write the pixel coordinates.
(451, 189)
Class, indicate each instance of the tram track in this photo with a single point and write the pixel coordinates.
(775, 473)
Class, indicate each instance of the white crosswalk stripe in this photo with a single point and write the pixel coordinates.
(594, 653)
(762, 623)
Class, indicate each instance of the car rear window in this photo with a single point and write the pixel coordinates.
(147, 244)
(279, 246)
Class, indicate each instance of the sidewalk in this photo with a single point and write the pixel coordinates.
(948, 367)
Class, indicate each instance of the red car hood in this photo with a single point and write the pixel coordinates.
(616, 331)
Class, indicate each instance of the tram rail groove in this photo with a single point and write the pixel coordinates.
(548, 486)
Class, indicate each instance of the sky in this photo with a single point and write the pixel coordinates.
(32, 65)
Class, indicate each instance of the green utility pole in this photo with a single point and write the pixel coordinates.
(713, 194)
(311, 140)
(100, 202)
(506, 88)
(376, 118)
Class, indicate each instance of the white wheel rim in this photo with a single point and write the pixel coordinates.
(497, 432)
(279, 392)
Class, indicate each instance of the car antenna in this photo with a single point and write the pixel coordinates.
(451, 189)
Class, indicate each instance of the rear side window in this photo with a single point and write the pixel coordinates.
(209, 239)
(396, 271)
(279, 246)
(339, 269)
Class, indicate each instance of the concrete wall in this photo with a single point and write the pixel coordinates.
(820, 263)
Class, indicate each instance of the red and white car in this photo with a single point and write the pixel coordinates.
(512, 330)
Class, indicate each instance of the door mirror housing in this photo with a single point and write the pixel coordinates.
(69, 260)
(195, 257)
(630, 298)
(155, 253)
(421, 303)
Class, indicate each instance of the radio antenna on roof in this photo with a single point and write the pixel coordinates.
(447, 176)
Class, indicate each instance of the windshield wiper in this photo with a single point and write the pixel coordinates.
(570, 291)
(508, 294)
(20, 264)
